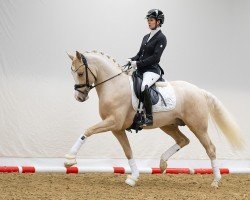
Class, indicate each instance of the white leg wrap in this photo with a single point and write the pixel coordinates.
(171, 151)
(131, 179)
(74, 150)
(133, 167)
(216, 170)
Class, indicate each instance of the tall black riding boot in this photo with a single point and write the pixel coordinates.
(148, 107)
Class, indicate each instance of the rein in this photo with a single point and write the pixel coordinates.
(85, 63)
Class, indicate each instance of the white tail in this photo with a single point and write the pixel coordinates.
(224, 120)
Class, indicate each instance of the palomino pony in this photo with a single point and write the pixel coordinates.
(115, 107)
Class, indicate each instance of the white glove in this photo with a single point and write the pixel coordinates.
(133, 64)
(128, 60)
(128, 65)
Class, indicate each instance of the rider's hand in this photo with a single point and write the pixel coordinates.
(128, 60)
(133, 64)
(128, 65)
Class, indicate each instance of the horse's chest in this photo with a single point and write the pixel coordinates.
(105, 109)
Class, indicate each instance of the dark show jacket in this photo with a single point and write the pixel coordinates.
(148, 57)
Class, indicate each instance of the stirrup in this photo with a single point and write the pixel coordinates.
(148, 122)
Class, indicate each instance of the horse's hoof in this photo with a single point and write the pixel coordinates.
(215, 184)
(70, 160)
(163, 165)
(131, 180)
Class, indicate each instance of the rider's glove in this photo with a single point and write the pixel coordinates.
(133, 64)
(128, 65)
(128, 60)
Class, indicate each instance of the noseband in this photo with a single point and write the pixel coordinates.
(89, 87)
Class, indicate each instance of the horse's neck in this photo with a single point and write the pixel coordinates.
(113, 88)
(106, 69)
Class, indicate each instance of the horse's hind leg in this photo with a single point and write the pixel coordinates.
(211, 152)
(180, 139)
(201, 133)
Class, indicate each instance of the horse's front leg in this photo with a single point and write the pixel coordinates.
(123, 140)
(105, 125)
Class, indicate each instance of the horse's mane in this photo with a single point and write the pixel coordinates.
(105, 56)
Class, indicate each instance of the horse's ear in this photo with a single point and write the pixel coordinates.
(70, 56)
(78, 55)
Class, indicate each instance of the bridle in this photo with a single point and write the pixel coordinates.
(89, 87)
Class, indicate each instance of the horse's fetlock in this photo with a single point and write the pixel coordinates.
(183, 142)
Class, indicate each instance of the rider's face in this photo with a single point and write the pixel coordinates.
(152, 23)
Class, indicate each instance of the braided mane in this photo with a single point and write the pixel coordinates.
(105, 55)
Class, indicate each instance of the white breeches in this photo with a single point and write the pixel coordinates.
(149, 78)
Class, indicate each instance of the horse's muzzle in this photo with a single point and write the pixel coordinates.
(81, 97)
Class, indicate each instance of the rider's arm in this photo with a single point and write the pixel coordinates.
(137, 56)
(155, 58)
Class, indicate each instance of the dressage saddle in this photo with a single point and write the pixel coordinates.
(137, 78)
(155, 95)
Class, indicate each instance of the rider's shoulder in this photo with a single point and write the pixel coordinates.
(162, 36)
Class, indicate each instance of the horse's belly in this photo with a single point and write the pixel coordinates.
(163, 119)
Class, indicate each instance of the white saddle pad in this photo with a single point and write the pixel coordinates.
(166, 90)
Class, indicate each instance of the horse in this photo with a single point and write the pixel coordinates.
(193, 107)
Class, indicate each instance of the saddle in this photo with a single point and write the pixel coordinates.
(155, 95)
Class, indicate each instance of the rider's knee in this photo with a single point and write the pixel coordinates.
(142, 88)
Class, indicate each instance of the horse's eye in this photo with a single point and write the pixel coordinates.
(80, 74)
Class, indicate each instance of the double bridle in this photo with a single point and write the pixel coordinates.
(89, 87)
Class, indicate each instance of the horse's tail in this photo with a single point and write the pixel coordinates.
(224, 120)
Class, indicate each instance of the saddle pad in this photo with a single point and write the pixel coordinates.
(167, 92)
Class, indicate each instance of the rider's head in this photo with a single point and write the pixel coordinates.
(155, 18)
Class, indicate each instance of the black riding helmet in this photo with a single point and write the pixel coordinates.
(157, 14)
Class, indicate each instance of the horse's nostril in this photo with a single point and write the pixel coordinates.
(80, 99)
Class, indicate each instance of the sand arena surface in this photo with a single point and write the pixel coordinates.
(112, 186)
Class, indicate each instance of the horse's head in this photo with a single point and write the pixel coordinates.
(83, 76)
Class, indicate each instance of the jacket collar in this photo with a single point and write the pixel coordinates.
(153, 32)
(158, 32)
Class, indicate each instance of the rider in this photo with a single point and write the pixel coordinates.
(147, 59)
